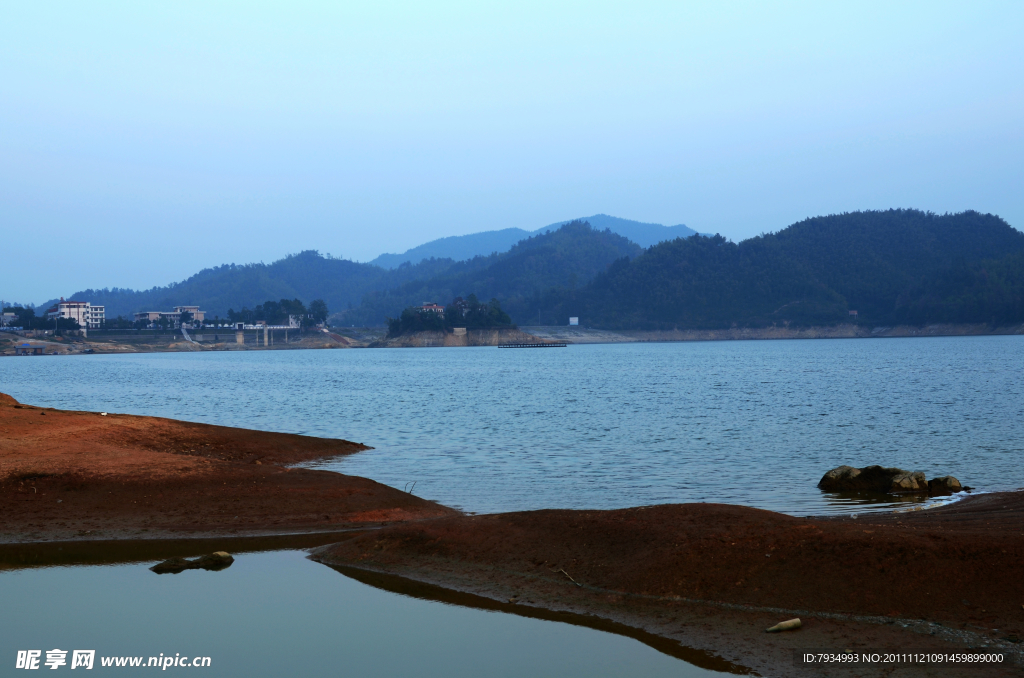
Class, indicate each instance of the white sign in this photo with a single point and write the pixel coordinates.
(574, 321)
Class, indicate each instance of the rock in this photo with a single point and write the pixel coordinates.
(908, 483)
(886, 480)
(873, 479)
(789, 625)
(946, 485)
(839, 479)
(214, 561)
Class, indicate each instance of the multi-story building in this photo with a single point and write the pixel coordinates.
(175, 315)
(85, 314)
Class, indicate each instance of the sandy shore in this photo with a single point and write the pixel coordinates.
(698, 581)
(80, 475)
(713, 577)
(586, 335)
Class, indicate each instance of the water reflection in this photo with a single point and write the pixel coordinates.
(414, 589)
(276, 613)
(841, 502)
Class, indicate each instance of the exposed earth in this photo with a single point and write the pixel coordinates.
(74, 475)
(703, 576)
(715, 576)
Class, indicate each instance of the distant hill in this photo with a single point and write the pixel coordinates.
(463, 247)
(566, 258)
(894, 266)
(457, 247)
(306, 276)
(641, 233)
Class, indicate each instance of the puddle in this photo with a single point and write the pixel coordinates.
(276, 613)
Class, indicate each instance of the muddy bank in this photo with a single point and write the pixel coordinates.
(81, 475)
(714, 577)
(584, 335)
(470, 338)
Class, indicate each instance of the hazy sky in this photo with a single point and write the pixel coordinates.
(141, 142)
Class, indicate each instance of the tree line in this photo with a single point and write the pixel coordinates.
(468, 313)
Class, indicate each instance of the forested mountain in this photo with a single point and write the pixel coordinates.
(895, 266)
(457, 247)
(641, 233)
(306, 276)
(560, 260)
(463, 247)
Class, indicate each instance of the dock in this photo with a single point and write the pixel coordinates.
(550, 344)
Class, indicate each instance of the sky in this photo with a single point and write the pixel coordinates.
(142, 142)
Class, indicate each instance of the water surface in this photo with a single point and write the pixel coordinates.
(596, 426)
(278, 614)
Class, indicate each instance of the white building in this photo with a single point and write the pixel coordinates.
(82, 312)
(174, 316)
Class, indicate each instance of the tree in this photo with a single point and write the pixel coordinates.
(185, 318)
(318, 311)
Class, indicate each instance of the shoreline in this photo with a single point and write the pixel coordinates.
(714, 577)
(585, 335)
(92, 476)
(374, 338)
(707, 578)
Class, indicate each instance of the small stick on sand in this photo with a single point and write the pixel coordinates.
(570, 578)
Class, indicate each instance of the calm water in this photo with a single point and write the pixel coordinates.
(278, 614)
(600, 426)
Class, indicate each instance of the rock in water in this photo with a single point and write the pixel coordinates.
(839, 479)
(885, 480)
(908, 483)
(215, 561)
(873, 479)
(946, 485)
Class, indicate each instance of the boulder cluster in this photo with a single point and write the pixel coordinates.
(887, 480)
(214, 561)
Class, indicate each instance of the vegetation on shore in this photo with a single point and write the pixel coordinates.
(467, 313)
(280, 312)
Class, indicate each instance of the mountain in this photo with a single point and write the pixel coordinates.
(566, 259)
(641, 233)
(891, 266)
(457, 247)
(306, 276)
(463, 247)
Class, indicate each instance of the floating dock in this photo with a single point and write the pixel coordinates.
(551, 344)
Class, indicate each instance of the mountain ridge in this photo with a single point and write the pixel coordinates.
(484, 243)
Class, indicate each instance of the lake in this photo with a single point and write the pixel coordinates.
(596, 426)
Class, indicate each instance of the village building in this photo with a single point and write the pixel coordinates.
(432, 307)
(174, 316)
(82, 312)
